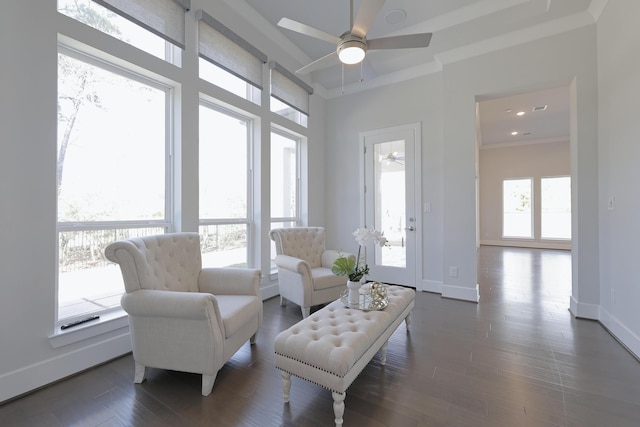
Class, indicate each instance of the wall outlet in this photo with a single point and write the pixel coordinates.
(453, 271)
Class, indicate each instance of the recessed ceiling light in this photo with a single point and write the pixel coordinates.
(508, 110)
(395, 17)
(520, 113)
(514, 133)
(540, 108)
(526, 133)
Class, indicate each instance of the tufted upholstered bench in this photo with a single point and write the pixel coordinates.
(333, 345)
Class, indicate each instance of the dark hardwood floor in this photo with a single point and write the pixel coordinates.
(517, 358)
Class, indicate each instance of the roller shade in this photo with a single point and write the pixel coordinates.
(289, 89)
(164, 18)
(224, 48)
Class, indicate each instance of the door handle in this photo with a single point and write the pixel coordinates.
(410, 228)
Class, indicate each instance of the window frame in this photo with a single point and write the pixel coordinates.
(298, 142)
(247, 221)
(531, 209)
(294, 221)
(105, 64)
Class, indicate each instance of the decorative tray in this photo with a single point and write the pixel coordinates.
(372, 297)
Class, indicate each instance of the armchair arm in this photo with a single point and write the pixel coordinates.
(230, 281)
(329, 256)
(179, 305)
(295, 265)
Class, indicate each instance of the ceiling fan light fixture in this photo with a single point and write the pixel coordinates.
(351, 51)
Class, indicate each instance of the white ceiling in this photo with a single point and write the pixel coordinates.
(545, 118)
(461, 29)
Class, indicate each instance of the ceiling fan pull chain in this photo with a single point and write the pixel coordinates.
(342, 85)
(361, 72)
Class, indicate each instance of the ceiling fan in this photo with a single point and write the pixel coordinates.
(351, 46)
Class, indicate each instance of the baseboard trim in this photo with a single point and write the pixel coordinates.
(270, 291)
(463, 293)
(29, 378)
(534, 244)
(432, 286)
(621, 333)
(583, 310)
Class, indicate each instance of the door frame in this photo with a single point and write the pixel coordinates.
(416, 129)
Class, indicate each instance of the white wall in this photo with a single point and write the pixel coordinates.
(417, 100)
(537, 160)
(28, 105)
(619, 152)
(445, 104)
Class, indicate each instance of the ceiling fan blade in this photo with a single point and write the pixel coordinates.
(400, 42)
(325, 61)
(301, 28)
(369, 10)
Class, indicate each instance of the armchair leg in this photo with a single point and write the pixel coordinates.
(138, 376)
(306, 311)
(207, 383)
(252, 340)
(283, 302)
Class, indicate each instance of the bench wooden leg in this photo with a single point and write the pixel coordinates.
(286, 385)
(338, 406)
(383, 352)
(407, 321)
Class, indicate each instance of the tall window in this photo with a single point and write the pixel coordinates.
(517, 220)
(556, 208)
(224, 187)
(284, 181)
(112, 175)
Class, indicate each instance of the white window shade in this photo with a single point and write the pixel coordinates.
(164, 18)
(289, 89)
(224, 48)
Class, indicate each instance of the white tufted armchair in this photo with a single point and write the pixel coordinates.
(183, 317)
(304, 267)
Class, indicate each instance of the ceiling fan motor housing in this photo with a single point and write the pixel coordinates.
(351, 49)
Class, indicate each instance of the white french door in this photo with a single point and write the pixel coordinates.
(391, 202)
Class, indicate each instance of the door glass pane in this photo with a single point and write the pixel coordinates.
(516, 205)
(389, 202)
(556, 208)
